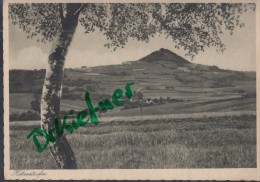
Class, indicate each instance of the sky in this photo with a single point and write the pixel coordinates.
(88, 49)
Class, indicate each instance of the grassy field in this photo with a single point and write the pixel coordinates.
(161, 78)
(205, 142)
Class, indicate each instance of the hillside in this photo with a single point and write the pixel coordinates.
(181, 85)
(165, 55)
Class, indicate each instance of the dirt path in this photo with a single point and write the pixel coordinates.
(177, 116)
(154, 117)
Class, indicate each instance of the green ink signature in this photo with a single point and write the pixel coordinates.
(80, 118)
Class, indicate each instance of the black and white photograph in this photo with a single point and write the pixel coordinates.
(131, 90)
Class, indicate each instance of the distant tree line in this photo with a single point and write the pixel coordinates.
(25, 116)
(130, 104)
(79, 82)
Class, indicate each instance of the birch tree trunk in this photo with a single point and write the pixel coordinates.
(52, 88)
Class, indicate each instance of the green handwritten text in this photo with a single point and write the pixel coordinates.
(81, 118)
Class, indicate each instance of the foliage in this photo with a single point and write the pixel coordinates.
(21, 81)
(147, 102)
(35, 104)
(192, 26)
(25, 116)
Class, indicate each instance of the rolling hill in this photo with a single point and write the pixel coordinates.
(160, 75)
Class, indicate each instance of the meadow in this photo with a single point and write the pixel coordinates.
(185, 133)
(200, 88)
(199, 142)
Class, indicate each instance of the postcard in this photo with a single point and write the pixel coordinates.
(131, 90)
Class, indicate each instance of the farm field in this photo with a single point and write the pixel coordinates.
(195, 86)
(188, 142)
(194, 116)
(193, 100)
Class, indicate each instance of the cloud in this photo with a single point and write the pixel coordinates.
(29, 58)
(89, 50)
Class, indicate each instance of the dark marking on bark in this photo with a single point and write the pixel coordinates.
(61, 150)
(57, 55)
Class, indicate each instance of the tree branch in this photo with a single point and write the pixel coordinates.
(80, 9)
(61, 13)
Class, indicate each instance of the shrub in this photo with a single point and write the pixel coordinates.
(25, 116)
